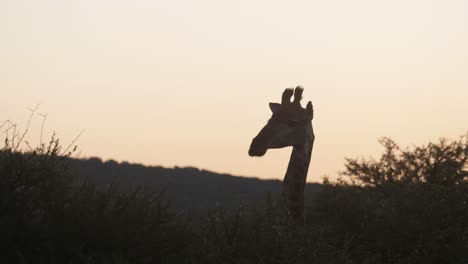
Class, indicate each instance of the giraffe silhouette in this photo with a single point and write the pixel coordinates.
(289, 125)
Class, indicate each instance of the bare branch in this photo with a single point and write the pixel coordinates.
(44, 117)
(73, 142)
(33, 111)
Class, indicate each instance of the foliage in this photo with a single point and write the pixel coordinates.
(411, 206)
(47, 216)
(416, 223)
(442, 163)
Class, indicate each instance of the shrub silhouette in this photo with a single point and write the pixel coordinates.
(442, 163)
(409, 206)
(46, 215)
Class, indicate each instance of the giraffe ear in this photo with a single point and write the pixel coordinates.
(275, 107)
(310, 110)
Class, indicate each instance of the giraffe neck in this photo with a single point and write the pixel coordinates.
(295, 179)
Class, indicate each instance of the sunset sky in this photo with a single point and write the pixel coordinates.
(188, 83)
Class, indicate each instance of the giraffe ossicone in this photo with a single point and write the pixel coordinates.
(289, 125)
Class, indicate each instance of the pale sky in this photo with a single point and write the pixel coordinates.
(187, 83)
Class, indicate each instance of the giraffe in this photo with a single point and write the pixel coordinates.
(289, 125)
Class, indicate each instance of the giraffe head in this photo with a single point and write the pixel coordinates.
(290, 124)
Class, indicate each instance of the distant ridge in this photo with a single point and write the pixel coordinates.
(186, 188)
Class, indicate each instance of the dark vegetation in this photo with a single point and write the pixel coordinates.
(409, 206)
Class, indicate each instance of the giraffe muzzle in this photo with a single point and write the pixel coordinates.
(257, 148)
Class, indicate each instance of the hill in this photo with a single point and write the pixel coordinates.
(185, 188)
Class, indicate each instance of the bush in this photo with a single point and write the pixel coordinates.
(46, 215)
(442, 163)
(410, 206)
(417, 223)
